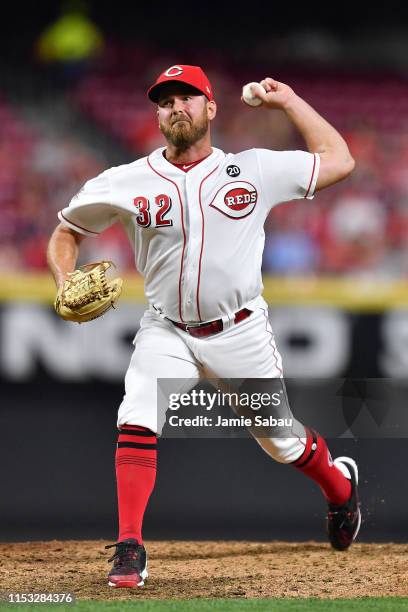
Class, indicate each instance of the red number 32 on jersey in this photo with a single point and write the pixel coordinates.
(144, 216)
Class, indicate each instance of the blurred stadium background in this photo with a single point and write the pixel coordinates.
(72, 103)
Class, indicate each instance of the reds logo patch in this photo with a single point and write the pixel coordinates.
(236, 200)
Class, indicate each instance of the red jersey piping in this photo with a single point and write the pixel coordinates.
(182, 225)
(311, 178)
(76, 224)
(202, 243)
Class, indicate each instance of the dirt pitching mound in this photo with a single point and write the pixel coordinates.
(179, 570)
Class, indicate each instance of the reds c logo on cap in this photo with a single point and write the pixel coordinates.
(183, 73)
(173, 71)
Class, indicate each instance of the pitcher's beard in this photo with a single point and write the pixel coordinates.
(183, 134)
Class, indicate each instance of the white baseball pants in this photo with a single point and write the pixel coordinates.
(245, 350)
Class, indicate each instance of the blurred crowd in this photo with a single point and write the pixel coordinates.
(357, 228)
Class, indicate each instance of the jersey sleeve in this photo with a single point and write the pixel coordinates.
(287, 175)
(90, 210)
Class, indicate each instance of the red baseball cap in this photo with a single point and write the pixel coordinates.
(191, 75)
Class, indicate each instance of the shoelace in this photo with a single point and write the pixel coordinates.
(124, 553)
(345, 516)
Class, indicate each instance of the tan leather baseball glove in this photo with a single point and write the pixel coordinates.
(87, 294)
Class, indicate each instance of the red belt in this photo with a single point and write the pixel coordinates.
(202, 330)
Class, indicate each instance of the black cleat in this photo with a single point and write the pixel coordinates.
(129, 564)
(343, 521)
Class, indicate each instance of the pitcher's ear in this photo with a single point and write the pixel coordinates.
(211, 109)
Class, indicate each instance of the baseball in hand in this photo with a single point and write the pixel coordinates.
(247, 95)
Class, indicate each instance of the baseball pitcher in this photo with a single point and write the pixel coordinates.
(195, 216)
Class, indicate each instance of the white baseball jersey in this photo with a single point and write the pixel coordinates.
(198, 236)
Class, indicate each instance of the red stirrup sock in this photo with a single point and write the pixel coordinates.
(135, 461)
(316, 462)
